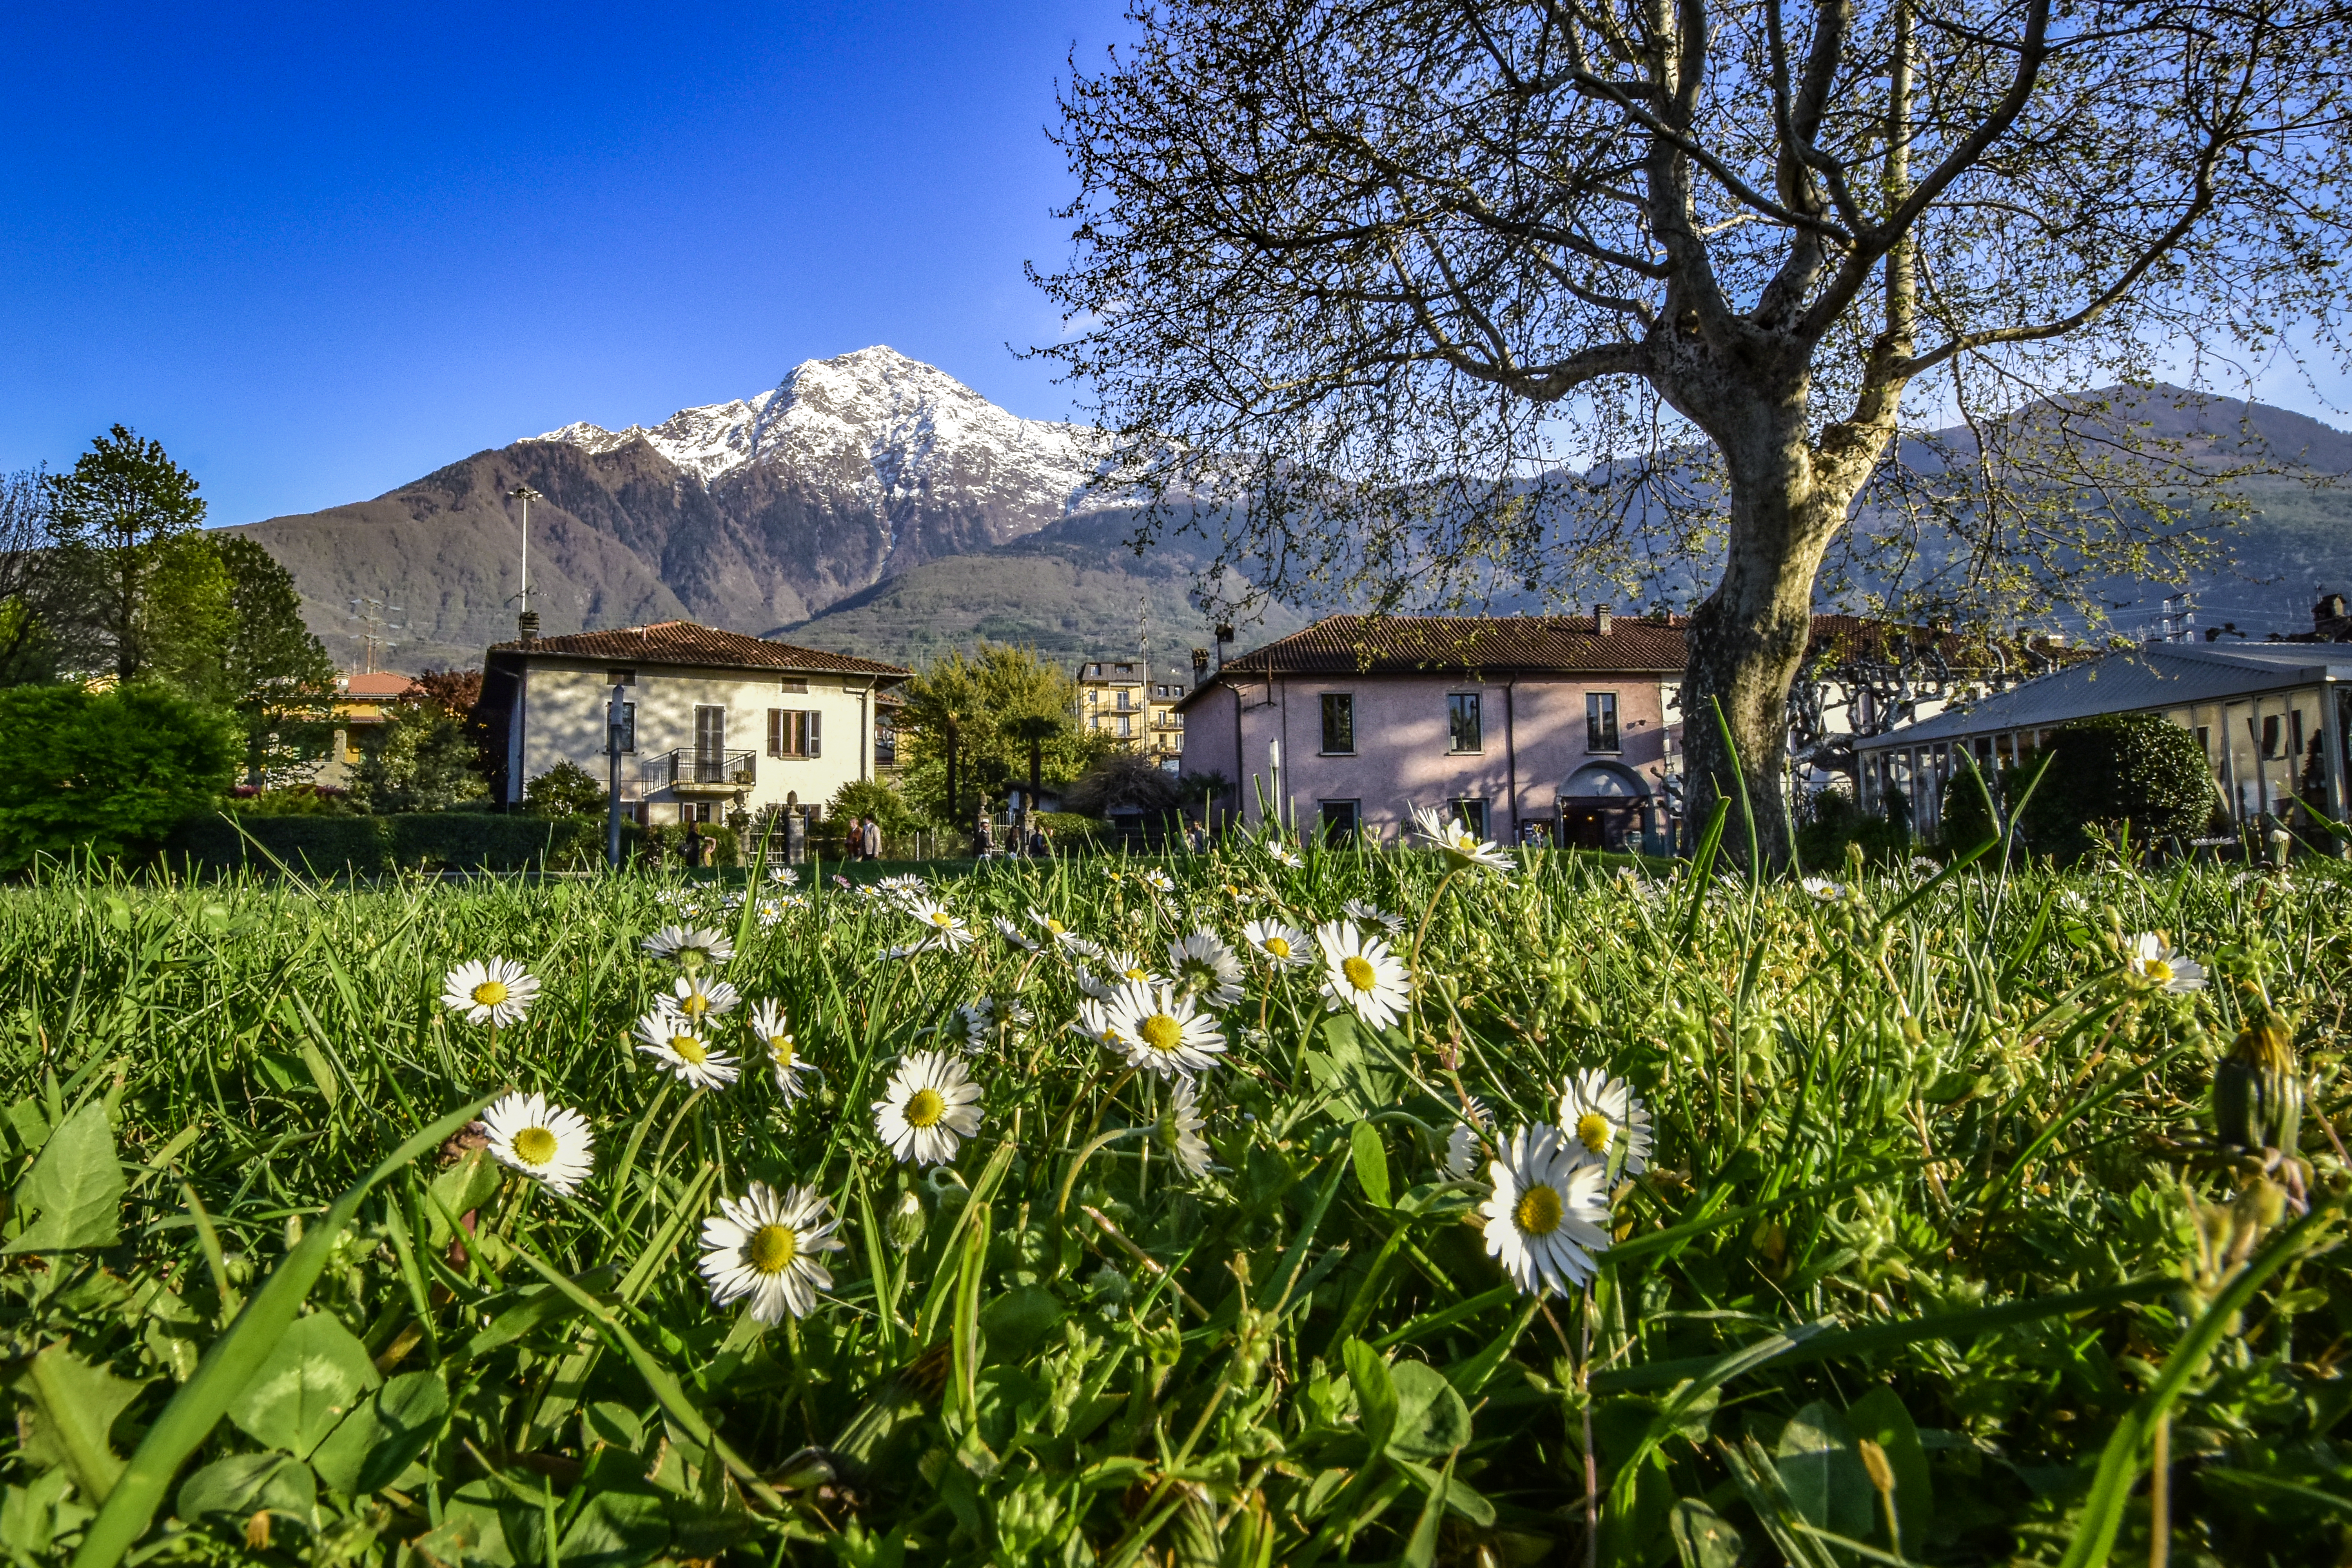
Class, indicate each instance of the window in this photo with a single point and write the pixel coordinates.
(1339, 724)
(709, 732)
(1472, 814)
(1093, 697)
(795, 733)
(1126, 725)
(1461, 722)
(1340, 820)
(1601, 722)
(1122, 701)
(694, 811)
(792, 686)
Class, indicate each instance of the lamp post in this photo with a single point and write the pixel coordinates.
(526, 495)
(616, 717)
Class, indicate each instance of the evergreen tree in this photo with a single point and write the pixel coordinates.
(120, 519)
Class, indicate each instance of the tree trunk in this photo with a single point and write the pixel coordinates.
(1748, 638)
(1037, 770)
(952, 738)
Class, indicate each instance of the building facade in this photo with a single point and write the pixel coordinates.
(714, 722)
(1562, 725)
(2274, 720)
(1119, 700)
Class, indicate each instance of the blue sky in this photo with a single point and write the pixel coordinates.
(318, 251)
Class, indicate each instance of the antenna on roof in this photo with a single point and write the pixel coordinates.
(526, 623)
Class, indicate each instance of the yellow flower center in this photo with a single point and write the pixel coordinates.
(1054, 928)
(781, 1047)
(925, 1109)
(694, 1002)
(1138, 974)
(686, 1048)
(490, 993)
(1163, 1032)
(940, 917)
(2158, 971)
(1358, 971)
(1592, 1130)
(772, 1248)
(535, 1145)
(1538, 1211)
(1278, 946)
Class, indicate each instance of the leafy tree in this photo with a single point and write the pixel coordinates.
(420, 759)
(968, 720)
(111, 772)
(1124, 781)
(273, 667)
(2118, 770)
(567, 789)
(123, 520)
(877, 798)
(1363, 280)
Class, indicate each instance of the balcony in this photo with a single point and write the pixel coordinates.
(696, 774)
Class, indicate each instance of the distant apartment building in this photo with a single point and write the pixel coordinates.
(1119, 700)
(712, 721)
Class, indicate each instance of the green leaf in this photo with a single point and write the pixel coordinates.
(1704, 1538)
(312, 1378)
(1372, 1157)
(1879, 1415)
(1822, 1471)
(243, 1484)
(379, 1439)
(29, 1126)
(71, 1407)
(1017, 1322)
(463, 1187)
(75, 1185)
(1376, 1392)
(471, 1530)
(617, 1528)
(1431, 1420)
(34, 1515)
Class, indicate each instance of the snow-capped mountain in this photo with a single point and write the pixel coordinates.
(907, 432)
(750, 514)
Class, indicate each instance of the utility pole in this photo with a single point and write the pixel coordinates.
(615, 715)
(526, 623)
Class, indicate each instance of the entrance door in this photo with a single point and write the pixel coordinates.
(709, 744)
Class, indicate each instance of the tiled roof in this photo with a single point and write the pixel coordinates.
(683, 642)
(1403, 645)
(378, 683)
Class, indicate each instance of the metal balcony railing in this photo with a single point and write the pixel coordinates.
(693, 772)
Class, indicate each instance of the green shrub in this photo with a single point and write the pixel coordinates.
(876, 798)
(296, 800)
(371, 846)
(2132, 771)
(109, 772)
(1070, 827)
(1972, 811)
(567, 789)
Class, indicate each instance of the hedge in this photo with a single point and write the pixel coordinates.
(372, 846)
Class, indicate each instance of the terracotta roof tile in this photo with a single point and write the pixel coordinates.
(1400, 644)
(683, 642)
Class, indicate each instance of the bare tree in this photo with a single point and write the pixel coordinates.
(26, 573)
(1358, 279)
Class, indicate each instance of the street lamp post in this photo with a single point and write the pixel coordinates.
(616, 716)
(526, 495)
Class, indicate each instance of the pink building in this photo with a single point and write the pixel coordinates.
(1563, 723)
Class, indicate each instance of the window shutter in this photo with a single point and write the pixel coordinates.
(813, 748)
(775, 731)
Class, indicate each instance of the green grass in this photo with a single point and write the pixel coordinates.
(1930, 1173)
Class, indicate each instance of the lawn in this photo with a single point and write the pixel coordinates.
(1658, 1220)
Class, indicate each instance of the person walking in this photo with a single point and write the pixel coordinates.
(871, 839)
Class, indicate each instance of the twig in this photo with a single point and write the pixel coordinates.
(1142, 1257)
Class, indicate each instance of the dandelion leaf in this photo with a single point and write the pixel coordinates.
(34, 1515)
(384, 1434)
(27, 1125)
(76, 1187)
(65, 1413)
(1822, 1471)
(242, 1484)
(313, 1377)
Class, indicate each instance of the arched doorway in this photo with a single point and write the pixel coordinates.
(1605, 805)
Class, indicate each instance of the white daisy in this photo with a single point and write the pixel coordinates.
(1125, 966)
(1549, 1215)
(1179, 1130)
(1206, 967)
(932, 1103)
(2151, 958)
(1602, 1113)
(773, 1030)
(1824, 889)
(1162, 1031)
(1465, 1150)
(1010, 931)
(785, 874)
(1059, 934)
(769, 912)
(984, 1017)
(1923, 867)
(496, 992)
(1096, 1023)
(547, 1143)
(1158, 880)
(669, 896)
(1362, 974)
(1371, 914)
(699, 999)
(690, 947)
(671, 1041)
(765, 1244)
(1461, 847)
(942, 926)
(1281, 946)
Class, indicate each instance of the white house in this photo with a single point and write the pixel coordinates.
(713, 720)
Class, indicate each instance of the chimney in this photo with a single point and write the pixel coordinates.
(1200, 666)
(1224, 635)
(527, 627)
(2329, 608)
(1601, 620)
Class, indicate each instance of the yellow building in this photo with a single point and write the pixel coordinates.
(1118, 699)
